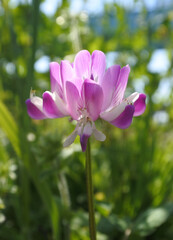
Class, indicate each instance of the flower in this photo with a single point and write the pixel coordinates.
(86, 91)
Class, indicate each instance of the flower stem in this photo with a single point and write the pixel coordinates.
(90, 193)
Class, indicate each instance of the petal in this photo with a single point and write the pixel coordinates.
(73, 100)
(121, 85)
(70, 139)
(78, 82)
(108, 84)
(35, 110)
(125, 118)
(55, 77)
(132, 98)
(98, 65)
(113, 113)
(82, 64)
(67, 72)
(83, 142)
(88, 129)
(93, 96)
(140, 105)
(86, 133)
(50, 106)
(99, 135)
(61, 104)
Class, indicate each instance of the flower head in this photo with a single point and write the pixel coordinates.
(86, 91)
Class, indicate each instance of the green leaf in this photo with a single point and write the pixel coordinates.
(9, 126)
(110, 224)
(152, 219)
(104, 208)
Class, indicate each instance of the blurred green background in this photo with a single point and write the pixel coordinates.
(42, 185)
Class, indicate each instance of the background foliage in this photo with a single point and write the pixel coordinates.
(42, 185)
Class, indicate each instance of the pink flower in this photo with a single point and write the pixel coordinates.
(86, 91)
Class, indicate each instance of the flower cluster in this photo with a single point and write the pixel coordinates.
(86, 91)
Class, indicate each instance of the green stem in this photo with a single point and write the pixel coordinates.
(90, 193)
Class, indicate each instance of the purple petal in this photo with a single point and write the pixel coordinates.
(98, 65)
(108, 84)
(121, 85)
(83, 142)
(33, 111)
(125, 118)
(73, 100)
(67, 72)
(50, 106)
(140, 105)
(86, 133)
(82, 64)
(93, 96)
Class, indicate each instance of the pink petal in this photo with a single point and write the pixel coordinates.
(125, 118)
(73, 100)
(61, 104)
(78, 82)
(67, 72)
(50, 106)
(98, 65)
(140, 105)
(108, 84)
(93, 96)
(121, 85)
(33, 111)
(82, 64)
(55, 77)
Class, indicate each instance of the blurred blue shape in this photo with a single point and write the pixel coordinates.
(111, 58)
(164, 90)
(49, 7)
(159, 62)
(161, 117)
(42, 64)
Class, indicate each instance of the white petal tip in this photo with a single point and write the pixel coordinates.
(32, 93)
(99, 135)
(70, 139)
